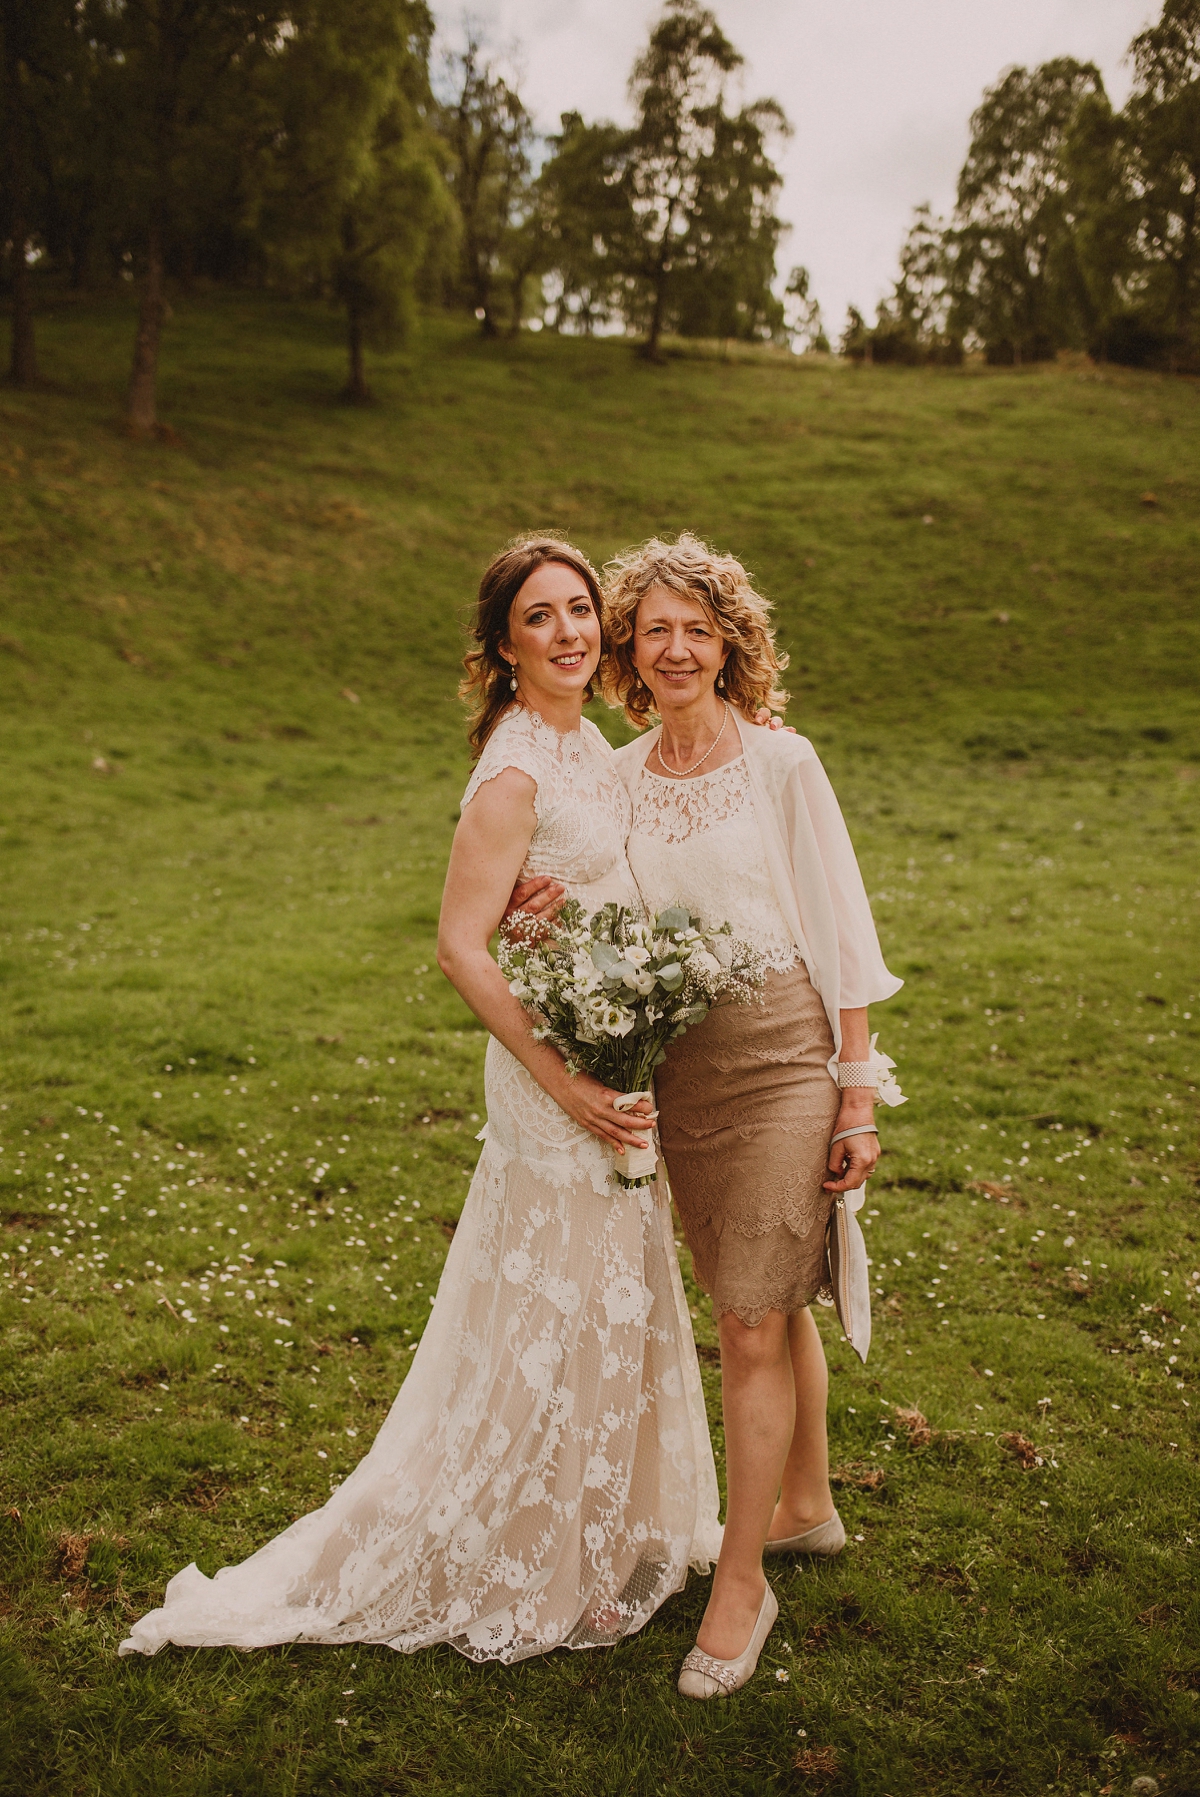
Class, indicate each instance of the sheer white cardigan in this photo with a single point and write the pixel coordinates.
(812, 864)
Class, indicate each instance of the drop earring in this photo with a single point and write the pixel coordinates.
(512, 685)
(721, 681)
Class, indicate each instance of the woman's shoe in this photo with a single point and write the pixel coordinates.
(826, 1540)
(703, 1676)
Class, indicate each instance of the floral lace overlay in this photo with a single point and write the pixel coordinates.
(545, 1475)
(747, 1108)
(582, 807)
(696, 842)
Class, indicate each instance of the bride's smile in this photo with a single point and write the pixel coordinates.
(553, 642)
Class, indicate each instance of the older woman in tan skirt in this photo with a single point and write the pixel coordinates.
(765, 1111)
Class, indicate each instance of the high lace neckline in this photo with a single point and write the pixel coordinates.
(517, 710)
(710, 773)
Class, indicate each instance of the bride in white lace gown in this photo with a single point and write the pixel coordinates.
(545, 1476)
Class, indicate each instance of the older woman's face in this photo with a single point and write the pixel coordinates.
(676, 649)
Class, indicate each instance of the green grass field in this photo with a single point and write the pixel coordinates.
(239, 1102)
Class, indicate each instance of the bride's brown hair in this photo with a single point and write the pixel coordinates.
(486, 684)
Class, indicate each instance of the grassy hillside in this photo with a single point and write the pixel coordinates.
(231, 765)
(939, 545)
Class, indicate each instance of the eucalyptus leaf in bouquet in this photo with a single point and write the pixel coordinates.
(610, 990)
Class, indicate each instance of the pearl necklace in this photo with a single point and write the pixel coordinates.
(681, 773)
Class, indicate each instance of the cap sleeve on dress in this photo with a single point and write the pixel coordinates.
(511, 744)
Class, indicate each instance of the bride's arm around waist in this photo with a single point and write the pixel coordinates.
(490, 846)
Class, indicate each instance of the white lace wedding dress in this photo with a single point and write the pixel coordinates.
(545, 1476)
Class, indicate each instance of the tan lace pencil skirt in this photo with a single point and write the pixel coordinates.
(746, 1110)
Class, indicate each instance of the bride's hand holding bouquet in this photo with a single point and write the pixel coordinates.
(611, 990)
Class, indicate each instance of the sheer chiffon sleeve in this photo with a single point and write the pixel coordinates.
(865, 978)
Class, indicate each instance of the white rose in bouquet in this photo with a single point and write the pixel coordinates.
(611, 990)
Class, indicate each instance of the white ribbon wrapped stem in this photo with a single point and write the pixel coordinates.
(636, 1163)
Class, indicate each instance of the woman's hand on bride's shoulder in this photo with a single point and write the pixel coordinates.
(539, 898)
(769, 721)
(590, 1103)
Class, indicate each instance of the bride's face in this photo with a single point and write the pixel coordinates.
(553, 633)
(676, 649)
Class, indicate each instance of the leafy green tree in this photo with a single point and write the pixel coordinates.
(1012, 238)
(802, 322)
(587, 223)
(489, 135)
(177, 70)
(1106, 269)
(921, 298)
(723, 284)
(1163, 120)
(85, 221)
(700, 184)
(855, 340)
(353, 190)
(16, 96)
(914, 323)
(40, 51)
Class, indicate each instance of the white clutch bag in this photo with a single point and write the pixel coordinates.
(846, 1252)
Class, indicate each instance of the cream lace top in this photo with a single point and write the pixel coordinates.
(581, 804)
(696, 842)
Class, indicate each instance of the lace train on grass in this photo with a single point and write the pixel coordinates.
(545, 1476)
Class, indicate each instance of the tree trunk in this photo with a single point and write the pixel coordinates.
(22, 370)
(356, 390)
(517, 296)
(23, 359)
(479, 283)
(483, 312)
(142, 410)
(81, 248)
(1183, 286)
(649, 350)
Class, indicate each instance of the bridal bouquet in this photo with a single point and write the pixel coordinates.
(611, 990)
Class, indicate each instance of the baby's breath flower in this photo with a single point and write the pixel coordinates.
(610, 990)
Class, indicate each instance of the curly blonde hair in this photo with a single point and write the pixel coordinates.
(719, 583)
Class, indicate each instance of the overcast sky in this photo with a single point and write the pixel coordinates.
(879, 93)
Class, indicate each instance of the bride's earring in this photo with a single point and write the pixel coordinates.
(512, 685)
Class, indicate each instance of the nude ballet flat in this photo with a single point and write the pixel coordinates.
(826, 1540)
(704, 1676)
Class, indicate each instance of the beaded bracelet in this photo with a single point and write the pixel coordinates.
(856, 1073)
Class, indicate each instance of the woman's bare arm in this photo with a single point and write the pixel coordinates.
(851, 1161)
(490, 845)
